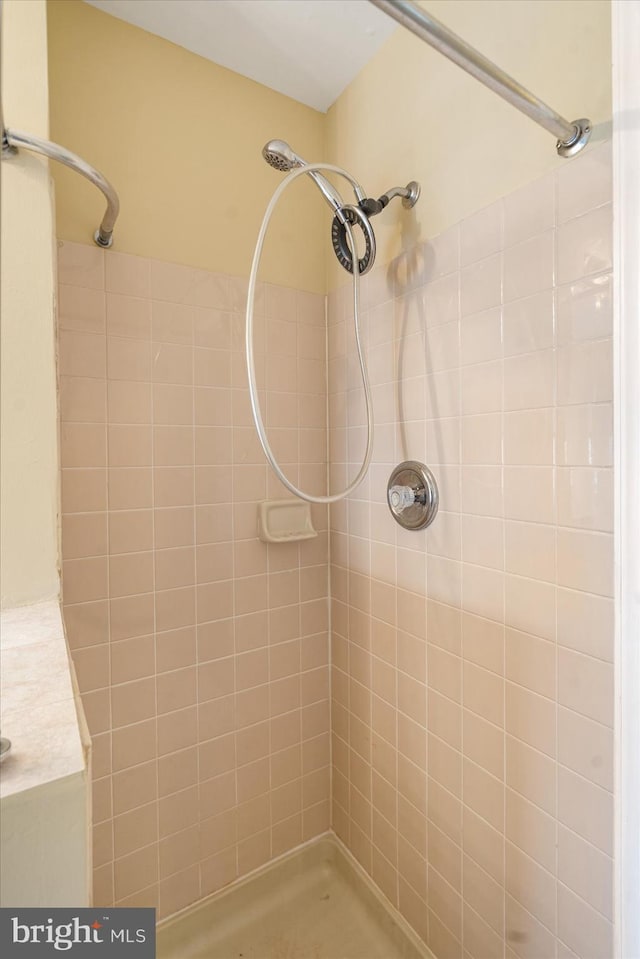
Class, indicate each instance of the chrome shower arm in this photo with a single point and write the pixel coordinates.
(12, 139)
(409, 194)
(571, 136)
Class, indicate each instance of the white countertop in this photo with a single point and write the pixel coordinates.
(38, 712)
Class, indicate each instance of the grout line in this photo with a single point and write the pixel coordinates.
(195, 579)
(460, 320)
(329, 523)
(108, 571)
(503, 521)
(155, 633)
(554, 423)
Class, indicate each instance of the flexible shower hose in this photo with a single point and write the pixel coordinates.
(253, 389)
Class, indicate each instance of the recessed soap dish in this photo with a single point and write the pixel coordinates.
(284, 521)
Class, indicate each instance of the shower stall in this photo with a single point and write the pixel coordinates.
(396, 710)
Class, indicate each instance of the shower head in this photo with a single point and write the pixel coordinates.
(280, 156)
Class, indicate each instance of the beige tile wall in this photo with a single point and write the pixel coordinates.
(472, 680)
(471, 677)
(201, 653)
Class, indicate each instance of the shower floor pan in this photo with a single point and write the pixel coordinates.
(315, 903)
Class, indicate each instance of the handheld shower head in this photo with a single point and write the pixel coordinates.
(280, 156)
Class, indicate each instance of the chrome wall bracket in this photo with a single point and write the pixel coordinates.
(7, 149)
(412, 495)
(412, 193)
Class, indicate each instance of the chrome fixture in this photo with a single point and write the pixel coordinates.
(409, 194)
(281, 157)
(412, 495)
(12, 140)
(571, 136)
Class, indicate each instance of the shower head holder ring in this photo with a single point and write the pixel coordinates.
(356, 217)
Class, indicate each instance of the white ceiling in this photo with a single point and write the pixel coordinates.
(307, 49)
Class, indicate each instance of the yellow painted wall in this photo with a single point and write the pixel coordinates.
(180, 138)
(29, 455)
(413, 115)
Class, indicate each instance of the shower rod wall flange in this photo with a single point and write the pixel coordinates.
(582, 133)
(571, 137)
(14, 140)
(7, 149)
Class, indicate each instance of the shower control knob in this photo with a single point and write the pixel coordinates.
(400, 497)
(412, 495)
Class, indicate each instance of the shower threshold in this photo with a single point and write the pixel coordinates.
(314, 903)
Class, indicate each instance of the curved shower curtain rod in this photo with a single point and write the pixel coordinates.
(12, 139)
(571, 136)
